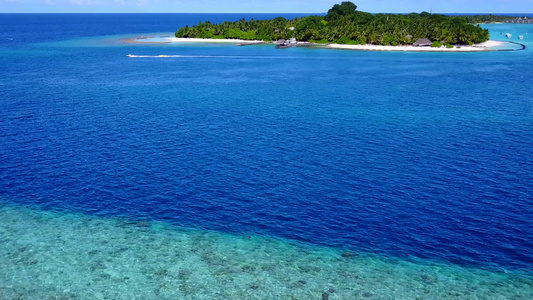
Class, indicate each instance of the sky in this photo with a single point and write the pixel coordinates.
(261, 6)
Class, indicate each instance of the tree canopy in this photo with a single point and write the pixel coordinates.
(345, 9)
(345, 24)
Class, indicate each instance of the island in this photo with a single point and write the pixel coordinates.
(345, 25)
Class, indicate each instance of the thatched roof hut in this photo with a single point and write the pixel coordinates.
(281, 41)
(422, 43)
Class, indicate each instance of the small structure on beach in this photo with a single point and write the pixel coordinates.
(282, 44)
(524, 20)
(422, 43)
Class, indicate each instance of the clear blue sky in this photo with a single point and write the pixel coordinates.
(265, 6)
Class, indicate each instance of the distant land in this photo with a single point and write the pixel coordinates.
(519, 20)
(344, 24)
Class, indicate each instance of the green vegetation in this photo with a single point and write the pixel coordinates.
(436, 44)
(343, 24)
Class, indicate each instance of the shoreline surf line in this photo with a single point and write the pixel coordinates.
(487, 46)
(523, 47)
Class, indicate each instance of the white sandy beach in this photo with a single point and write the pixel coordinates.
(486, 46)
(477, 47)
(168, 40)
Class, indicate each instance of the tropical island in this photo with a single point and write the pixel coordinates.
(345, 25)
(487, 19)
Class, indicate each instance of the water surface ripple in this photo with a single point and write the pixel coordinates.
(390, 153)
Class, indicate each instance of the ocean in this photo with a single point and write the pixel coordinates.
(259, 173)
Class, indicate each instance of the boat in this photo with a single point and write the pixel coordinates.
(283, 46)
(508, 35)
(521, 37)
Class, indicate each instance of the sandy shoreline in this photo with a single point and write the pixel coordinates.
(486, 46)
(168, 40)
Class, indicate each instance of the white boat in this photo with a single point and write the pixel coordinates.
(521, 37)
(508, 35)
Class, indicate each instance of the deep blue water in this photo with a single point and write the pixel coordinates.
(392, 153)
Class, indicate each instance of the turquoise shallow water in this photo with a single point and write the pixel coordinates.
(50, 255)
(125, 178)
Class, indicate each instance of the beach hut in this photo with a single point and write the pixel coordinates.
(422, 43)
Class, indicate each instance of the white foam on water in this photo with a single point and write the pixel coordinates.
(181, 56)
(208, 56)
(52, 255)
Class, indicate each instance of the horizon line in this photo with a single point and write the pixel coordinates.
(257, 13)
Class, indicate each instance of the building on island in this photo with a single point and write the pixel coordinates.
(422, 43)
(524, 20)
(282, 44)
